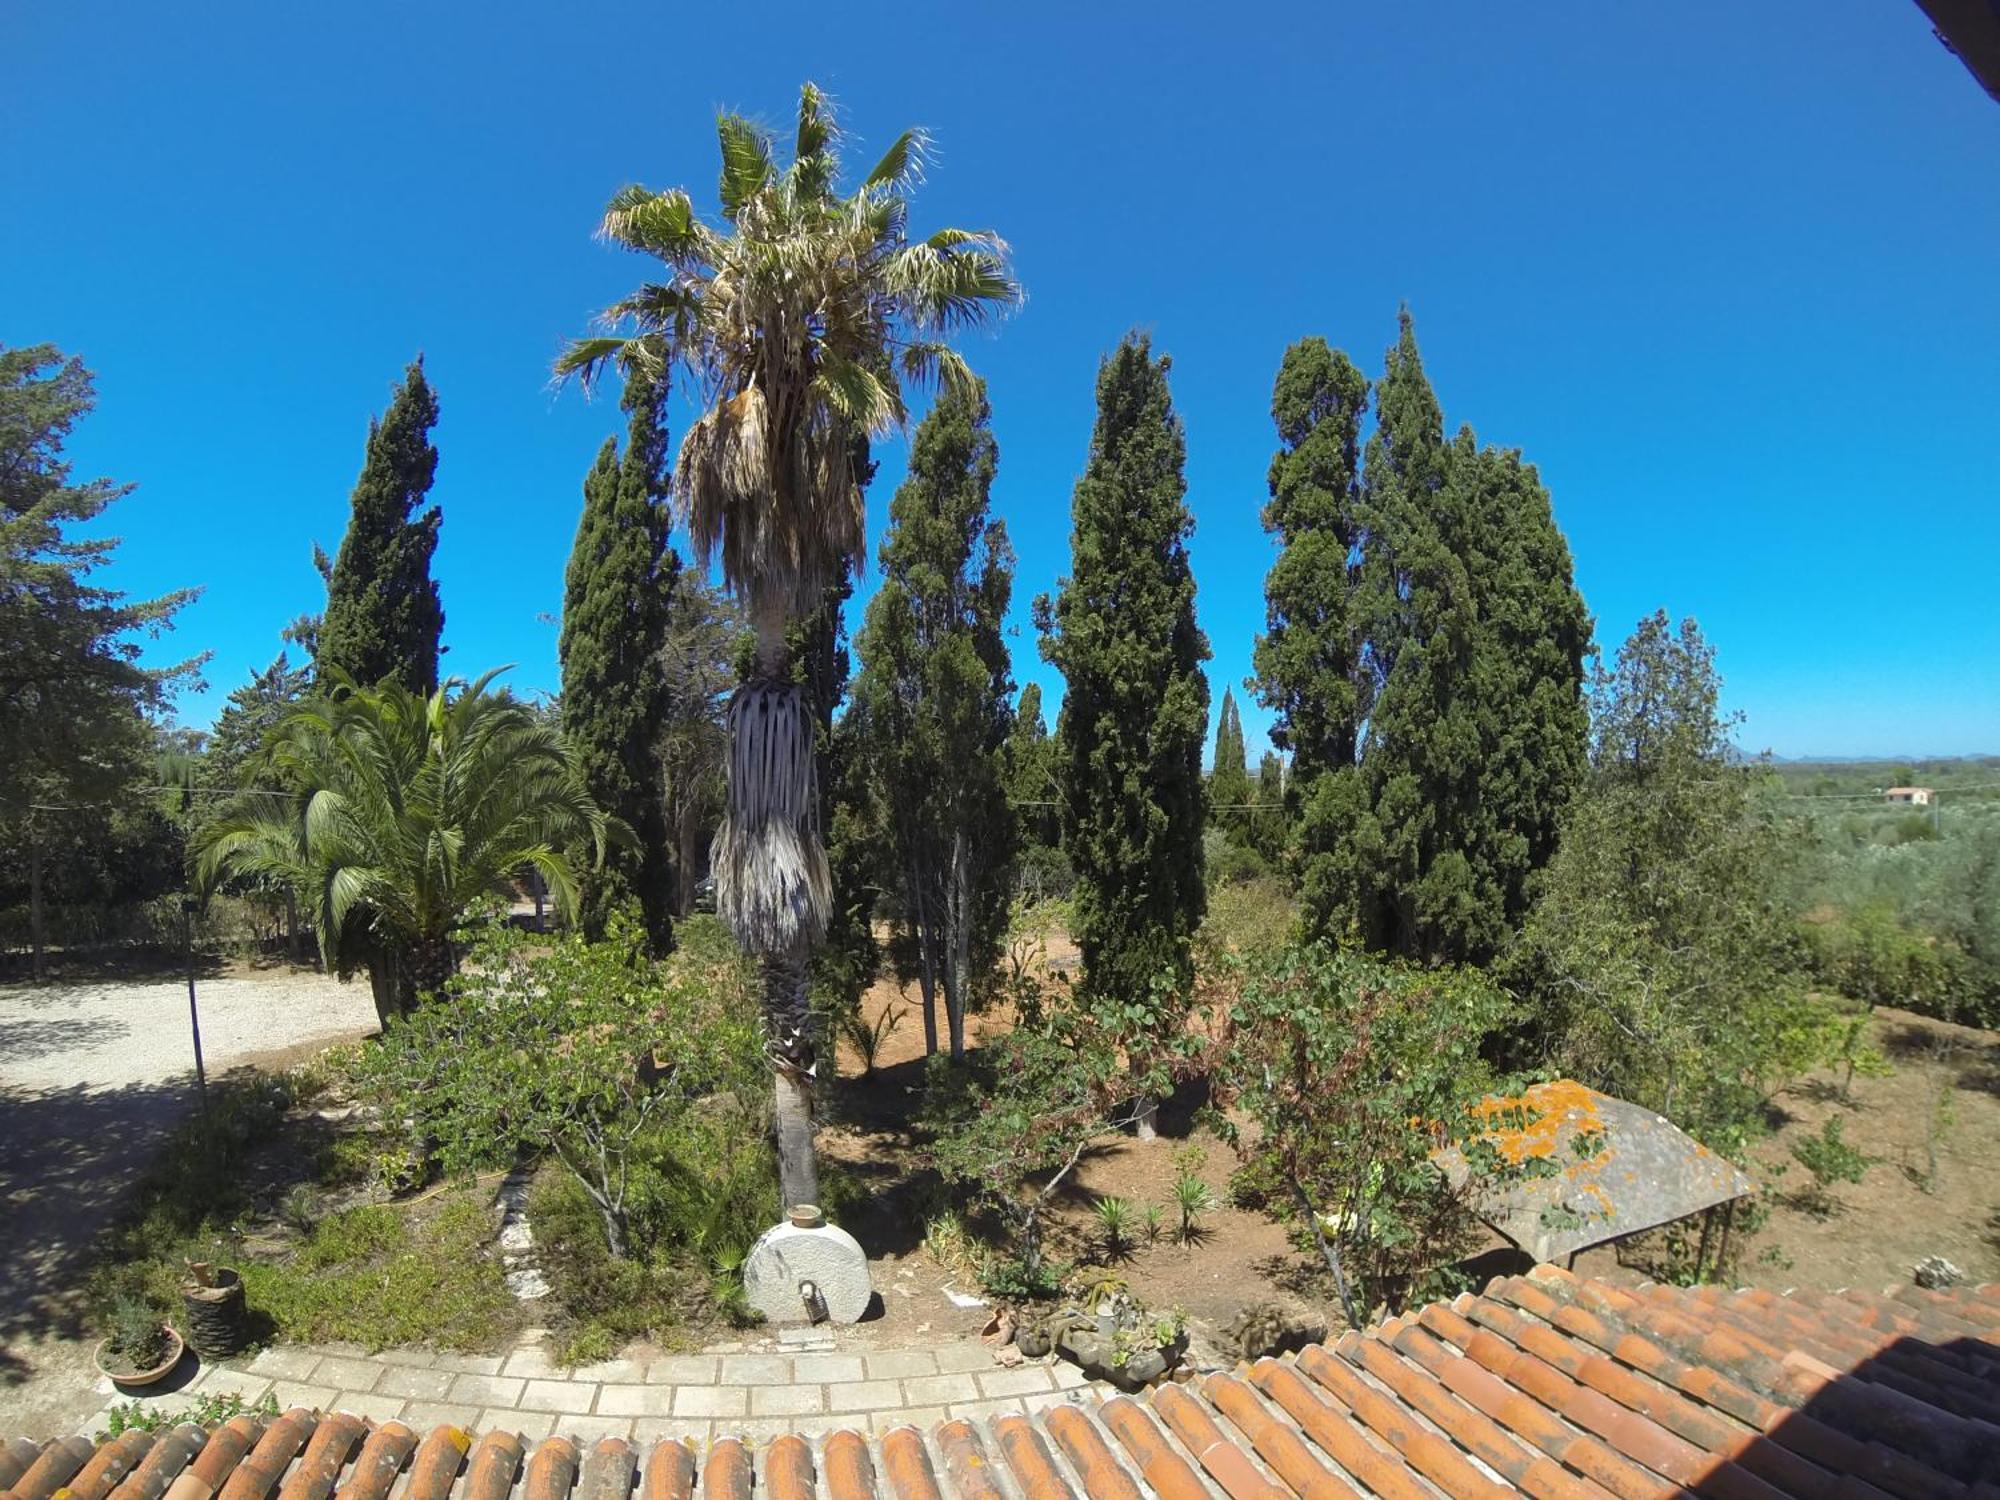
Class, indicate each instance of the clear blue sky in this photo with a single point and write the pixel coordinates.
(1729, 274)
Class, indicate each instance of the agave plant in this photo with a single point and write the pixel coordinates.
(798, 321)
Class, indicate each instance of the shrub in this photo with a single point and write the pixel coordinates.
(578, 1051)
(1830, 1160)
(1353, 1071)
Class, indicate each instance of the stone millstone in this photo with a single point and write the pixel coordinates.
(828, 1257)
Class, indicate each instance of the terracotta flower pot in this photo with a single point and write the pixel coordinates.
(140, 1378)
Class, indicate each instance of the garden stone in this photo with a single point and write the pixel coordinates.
(826, 1256)
(1935, 1273)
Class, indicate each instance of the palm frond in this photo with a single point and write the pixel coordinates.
(662, 224)
(586, 359)
(746, 162)
(902, 165)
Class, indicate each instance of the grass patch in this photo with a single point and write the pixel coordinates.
(232, 1188)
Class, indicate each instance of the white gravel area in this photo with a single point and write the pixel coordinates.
(104, 1034)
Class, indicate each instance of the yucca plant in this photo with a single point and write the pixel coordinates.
(798, 322)
(1193, 1198)
(1114, 1217)
(1152, 1221)
(868, 1039)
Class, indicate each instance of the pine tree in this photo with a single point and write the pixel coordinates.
(1229, 780)
(1431, 602)
(933, 705)
(383, 616)
(617, 602)
(1135, 709)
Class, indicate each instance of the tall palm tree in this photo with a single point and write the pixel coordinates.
(798, 322)
(407, 812)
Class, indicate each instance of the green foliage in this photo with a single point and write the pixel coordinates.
(868, 1039)
(207, 1411)
(1229, 790)
(1114, 1220)
(1309, 661)
(382, 780)
(1135, 708)
(1830, 1160)
(1249, 917)
(618, 600)
(135, 1335)
(577, 1050)
(1010, 1124)
(702, 1188)
(1034, 793)
(77, 709)
(1433, 602)
(374, 1275)
(1663, 962)
(383, 615)
(1353, 1071)
(1192, 1196)
(378, 1276)
(932, 709)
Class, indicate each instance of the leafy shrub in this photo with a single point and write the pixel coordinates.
(1830, 1160)
(136, 1339)
(1353, 1071)
(208, 1411)
(578, 1050)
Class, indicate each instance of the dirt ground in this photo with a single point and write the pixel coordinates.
(1878, 1229)
(93, 1074)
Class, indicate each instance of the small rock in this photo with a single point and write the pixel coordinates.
(1935, 1273)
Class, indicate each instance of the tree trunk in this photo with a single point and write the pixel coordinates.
(958, 911)
(37, 919)
(385, 985)
(1146, 1121)
(789, 1038)
(926, 958)
(687, 823)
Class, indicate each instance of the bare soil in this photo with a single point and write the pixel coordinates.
(1876, 1232)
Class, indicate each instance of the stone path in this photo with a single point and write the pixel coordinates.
(698, 1396)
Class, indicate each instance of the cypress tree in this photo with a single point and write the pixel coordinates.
(1135, 709)
(1033, 792)
(617, 602)
(1471, 637)
(1229, 780)
(1308, 661)
(383, 615)
(933, 703)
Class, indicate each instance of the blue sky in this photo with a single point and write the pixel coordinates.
(1726, 273)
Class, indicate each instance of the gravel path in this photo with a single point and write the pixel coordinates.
(93, 1074)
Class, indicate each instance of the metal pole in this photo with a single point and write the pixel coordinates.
(194, 1013)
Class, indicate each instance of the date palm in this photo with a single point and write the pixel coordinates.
(798, 322)
(407, 812)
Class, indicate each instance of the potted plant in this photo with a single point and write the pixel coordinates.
(140, 1349)
(212, 1297)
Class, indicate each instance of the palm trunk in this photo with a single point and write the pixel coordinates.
(771, 881)
(788, 1027)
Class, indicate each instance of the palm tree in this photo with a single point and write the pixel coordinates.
(407, 812)
(798, 322)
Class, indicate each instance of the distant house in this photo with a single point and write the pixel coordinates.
(1911, 796)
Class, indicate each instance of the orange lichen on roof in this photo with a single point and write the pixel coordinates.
(1530, 1126)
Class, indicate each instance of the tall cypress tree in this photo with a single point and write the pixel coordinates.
(1470, 636)
(1135, 709)
(933, 703)
(383, 615)
(1308, 661)
(1229, 780)
(617, 601)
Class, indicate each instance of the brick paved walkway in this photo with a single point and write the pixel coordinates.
(700, 1396)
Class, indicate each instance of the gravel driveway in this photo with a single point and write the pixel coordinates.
(92, 1076)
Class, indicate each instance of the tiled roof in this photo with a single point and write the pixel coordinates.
(1544, 1385)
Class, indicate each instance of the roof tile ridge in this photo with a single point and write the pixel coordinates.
(373, 1470)
(906, 1461)
(1171, 1471)
(1222, 1450)
(729, 1472)
(326, 1453)
(1331, 1427)
(971, 1470)
(108, 1465)
(1877, 1412)
(170, 1453)
(552, 1471)
(1278, 1443)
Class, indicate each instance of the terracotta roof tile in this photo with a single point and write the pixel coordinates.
(1546, 1385)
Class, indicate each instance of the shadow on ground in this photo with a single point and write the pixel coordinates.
(68, 1158)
